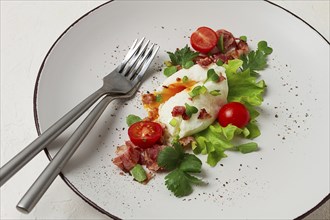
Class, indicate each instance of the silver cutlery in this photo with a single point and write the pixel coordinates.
(123, 82)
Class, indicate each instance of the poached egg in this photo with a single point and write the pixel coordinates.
(175, 92)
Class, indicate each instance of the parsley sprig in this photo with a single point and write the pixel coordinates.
(181, 164)
(181, 57)
(256, 60)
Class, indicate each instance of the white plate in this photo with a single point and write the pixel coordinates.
(285, 179)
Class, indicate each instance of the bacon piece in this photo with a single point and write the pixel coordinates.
(229, 41)
(203, 114)
(219, 56)
(128, 156)
(242, 48)
(148, 98)
(153, 114)
(178, 110)
(242, 45)
(186, 140)
(149, 156)
(204, 61)
(222, 78)
(150, 175)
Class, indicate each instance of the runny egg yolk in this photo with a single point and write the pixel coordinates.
(166, 93)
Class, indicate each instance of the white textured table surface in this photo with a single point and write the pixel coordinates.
(28, 29)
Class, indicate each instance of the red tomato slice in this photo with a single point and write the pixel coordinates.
(234, 113)
(204, 39)
(145, 133)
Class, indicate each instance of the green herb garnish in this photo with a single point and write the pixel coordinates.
(256, 60)
(168, 63)
(219, 63)
(182, 56)
(212, 76)
(243, 38)
(188, 64)
(181, 165)
(190, 110)
(131, 119)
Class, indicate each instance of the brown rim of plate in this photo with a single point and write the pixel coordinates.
(90, 202)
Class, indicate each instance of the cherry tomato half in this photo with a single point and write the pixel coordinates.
(204, 39)
(145, 133)
(234, 113)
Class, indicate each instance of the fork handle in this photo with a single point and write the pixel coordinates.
(39, 187)
(29, 152)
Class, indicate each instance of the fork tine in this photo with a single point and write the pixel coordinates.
(134, 48)
(141, 59)
(144, 64)
(134, 59)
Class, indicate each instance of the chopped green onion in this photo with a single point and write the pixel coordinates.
(139, 173)
(197, 91)
(248, 147)
(215, 92)
(185, 79)
(168, 71)
(220, 44)
(174, 122)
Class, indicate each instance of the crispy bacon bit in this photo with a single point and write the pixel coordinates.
(128, 156)
(150, 175)
(186, 140)
(148, 98)
(232, 48)
(229, 41)
(221, 78)
(242, 45)
(153, 114)
(219, 56)
(204, 61)
(185, 116)
(149, 156)
(203, 114)
(178, 110)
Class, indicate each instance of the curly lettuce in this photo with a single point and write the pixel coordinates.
(244, 87)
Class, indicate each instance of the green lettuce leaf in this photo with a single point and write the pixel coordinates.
(215, 140)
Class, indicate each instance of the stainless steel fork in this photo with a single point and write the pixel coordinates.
(119, 82)
(45, 179)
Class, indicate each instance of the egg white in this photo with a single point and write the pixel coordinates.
(210, 103)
